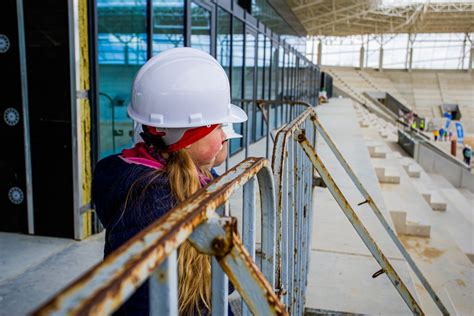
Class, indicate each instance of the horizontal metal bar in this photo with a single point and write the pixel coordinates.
(105, 287)
(358, 226)
(378, 214)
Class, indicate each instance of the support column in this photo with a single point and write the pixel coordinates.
(381, 59)
(410, 59)
(361, 61)
(320, 52)
(471, 59)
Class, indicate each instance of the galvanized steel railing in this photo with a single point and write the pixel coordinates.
(152, 254)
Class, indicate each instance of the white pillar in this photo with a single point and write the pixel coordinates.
(320, 52)
(471, 59)
(410, 59)
(361, 60)
(381, 58)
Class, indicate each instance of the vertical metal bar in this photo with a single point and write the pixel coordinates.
(249, 217)
(75, 155)
(379, 215)
(247, 131)
(26, 116)
(163, 285)
(359, 227)
(149, 29)
(269, 129)
(220, 289)
(269, 224)
(309, 183)
(285, 253)
(297, 215)
(219, 284)
(291, 223)
(300, 230)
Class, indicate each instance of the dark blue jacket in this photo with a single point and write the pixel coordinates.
(123, 219)
(111, 183)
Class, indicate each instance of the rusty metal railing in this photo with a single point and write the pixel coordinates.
(152, 254)
(287, 161)
(293, 176)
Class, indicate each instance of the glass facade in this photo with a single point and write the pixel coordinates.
(122, 49)
(259, 63)
(201, 25)
(168, 24)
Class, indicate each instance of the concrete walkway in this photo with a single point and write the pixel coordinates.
(33, 268)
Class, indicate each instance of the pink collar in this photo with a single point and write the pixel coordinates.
(139, 155)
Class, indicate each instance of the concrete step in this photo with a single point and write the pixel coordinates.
(405, 227)
(412, 170)
(432, 196)
(364, 124)
(435, 200)
(387, 133)
(377, 151)
(387, 175)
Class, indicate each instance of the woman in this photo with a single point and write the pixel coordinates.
(180, 97)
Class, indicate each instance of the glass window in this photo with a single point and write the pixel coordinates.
(282, 83)
(267, 79)
(168, 24)
(237, 74)
(250, 51)
(121, 51)
(260, 84)
(274, 83)
(224, 35)
(200, 28)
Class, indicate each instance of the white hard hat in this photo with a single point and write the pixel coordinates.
(183, 88)
(229, 131)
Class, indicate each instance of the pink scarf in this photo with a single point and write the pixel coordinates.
(139, 155)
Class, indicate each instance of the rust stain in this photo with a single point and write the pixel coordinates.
(432, 253)
(460, 282)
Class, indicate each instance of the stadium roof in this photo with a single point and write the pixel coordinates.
(352, 17)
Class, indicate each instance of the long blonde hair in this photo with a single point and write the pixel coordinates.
(194, 269)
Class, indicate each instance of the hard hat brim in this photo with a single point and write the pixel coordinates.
(232, 135)
(237, 115)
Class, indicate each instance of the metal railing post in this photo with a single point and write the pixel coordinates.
(163, 285)
(249, 218)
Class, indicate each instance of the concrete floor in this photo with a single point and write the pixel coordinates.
(34, 268)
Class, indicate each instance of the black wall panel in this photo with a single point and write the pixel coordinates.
(47, 51)
(13, 208)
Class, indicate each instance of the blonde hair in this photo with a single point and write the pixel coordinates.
(194, 269)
